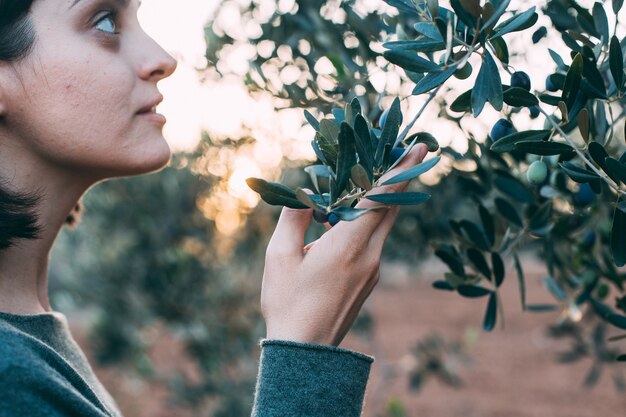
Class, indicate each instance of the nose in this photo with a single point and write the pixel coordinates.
(157, 63)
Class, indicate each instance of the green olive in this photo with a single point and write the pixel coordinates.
(537, 172)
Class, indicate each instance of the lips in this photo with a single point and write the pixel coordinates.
(150, 107)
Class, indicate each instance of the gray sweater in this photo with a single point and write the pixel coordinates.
(43, 372)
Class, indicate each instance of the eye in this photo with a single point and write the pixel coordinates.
(108, 23)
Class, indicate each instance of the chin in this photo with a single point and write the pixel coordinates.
(145, 160)
(156, 159)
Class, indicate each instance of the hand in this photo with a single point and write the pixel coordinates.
(314, 294)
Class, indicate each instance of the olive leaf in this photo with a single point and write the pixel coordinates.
(350, 214)
(545, 148)
(364, 146)
(413, 172)
(517, 96)
(275, 194)
(426, 138)
(573, 80)
(615, 169)
(410, 61)
(433, 80)
(577, 173)
(475, 234)
(491, 313)
(479, 262)
(390, 130)
(312, 120)
(509, 212)
(346, 159)
(360, 177)
(616, 62)
(306, 199)
(498, 268)
(488, 224)
(405, 199)
(618, 237)
(488, 86)
(507, 143)
(472, 291)
(583, 124)
(516, 23)
(451, 258)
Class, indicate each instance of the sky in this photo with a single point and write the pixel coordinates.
(179, 30)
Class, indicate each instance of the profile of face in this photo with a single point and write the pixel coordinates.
(82, 100)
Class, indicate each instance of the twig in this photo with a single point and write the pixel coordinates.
(406, 130)
(431, 96)
(581, 154)
(348, 197)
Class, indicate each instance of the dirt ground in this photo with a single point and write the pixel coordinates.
(512, 373)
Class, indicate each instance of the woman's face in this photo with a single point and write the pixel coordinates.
(82, 100)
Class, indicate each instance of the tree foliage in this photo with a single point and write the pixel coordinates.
(571, 206)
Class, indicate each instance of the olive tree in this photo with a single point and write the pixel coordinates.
(560, 187)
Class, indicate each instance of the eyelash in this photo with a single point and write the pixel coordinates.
(113, 16)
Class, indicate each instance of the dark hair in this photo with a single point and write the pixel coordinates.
(18, 219)
(17, 35)
(18, 216)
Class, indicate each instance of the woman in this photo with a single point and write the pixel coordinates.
(78, 91)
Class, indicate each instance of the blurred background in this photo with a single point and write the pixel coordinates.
(161, 280)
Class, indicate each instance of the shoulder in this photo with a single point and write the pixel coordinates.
(33, 383)
(24, 364)
(16, 348)
(30, 390)
(23, 376)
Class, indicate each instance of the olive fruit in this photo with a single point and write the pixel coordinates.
(550, 85)
(395, 154)
(589, 239)
(520, 79)
(501, 129)
(320, 216)
(584, 196)
(534, 112)
(333, 219)
(537, 172)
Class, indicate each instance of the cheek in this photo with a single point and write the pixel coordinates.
(93, 102)
(79, 111)
(88, 110)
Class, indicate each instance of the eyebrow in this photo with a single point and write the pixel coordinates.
(122, 3)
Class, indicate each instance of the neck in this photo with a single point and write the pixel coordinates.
(24, 266)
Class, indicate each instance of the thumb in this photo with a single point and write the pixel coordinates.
(288, 237)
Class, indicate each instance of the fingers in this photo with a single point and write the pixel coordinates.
(416, 156)
(288, 237)
(382, 231)
(368, 224)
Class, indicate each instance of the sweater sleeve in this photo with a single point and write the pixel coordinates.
(308, 380)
